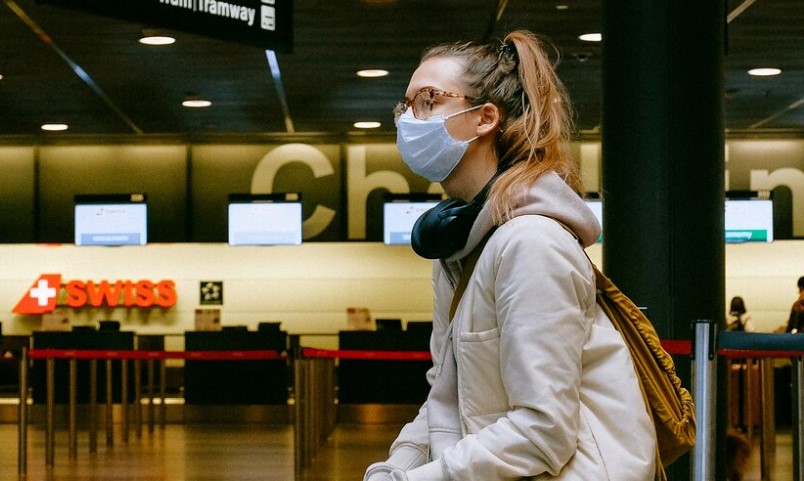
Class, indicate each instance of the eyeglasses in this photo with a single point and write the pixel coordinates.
(422, 103)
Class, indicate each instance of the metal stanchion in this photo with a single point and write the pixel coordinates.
(150, 363)
(138, 397)
(73, 437)
(162, 393)
(768, 437)
(705, 378)
(93, 406)
(299, 455)
(314, 409)
(124, 399)
(798, 416)
(748, 396)
(109, 404)
(50, 433)
(22, 417)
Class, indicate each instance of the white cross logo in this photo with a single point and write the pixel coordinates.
(42, 292)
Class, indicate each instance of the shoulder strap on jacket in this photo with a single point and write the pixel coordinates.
(468, 267)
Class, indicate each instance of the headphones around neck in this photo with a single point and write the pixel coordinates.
(444, 229)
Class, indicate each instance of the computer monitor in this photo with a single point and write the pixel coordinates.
(111, 219)
(265, 219)
(400, 212)
(749, 216)
(595, 203)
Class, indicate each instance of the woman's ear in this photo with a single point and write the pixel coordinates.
(489, 119)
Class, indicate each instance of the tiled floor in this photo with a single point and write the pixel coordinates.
(230, 453)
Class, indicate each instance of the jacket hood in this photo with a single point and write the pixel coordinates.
(549, 196)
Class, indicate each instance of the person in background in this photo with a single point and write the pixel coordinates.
(738, 319)
(795, 324)
(529, 379)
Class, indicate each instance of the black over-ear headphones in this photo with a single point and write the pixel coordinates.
(444, 229)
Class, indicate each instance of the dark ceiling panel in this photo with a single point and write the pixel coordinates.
(133, 89)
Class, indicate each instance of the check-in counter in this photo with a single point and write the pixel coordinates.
(236, 382)
(368, 381)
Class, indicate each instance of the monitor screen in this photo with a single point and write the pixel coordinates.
(749, 219)
(265, 219)
(111, 220)
(400, 212)
(594, 203)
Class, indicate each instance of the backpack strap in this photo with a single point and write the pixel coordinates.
(468, 266)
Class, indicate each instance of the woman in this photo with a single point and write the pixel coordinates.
(530, 379)
(738, 319)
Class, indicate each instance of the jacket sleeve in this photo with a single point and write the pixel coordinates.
(411, 447)
(540, 287)
(409, 450)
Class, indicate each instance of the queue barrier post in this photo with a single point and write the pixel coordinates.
(162, 392)
(22, 417)
(768, 433)
(314, 417)
(138, 397)
(150, 371)
(704, 382)
(124, 399)
(73, 436)
(798, 416)
(109, 404)
(93, 406)
(50, 432)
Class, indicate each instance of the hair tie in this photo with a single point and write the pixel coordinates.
(506, 49)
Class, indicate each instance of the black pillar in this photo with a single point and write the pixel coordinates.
(663, 144)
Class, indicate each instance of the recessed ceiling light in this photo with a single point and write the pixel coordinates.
(367, 125)
(157, 40)
(54, 127)
(562, 7)
(372, 72)
(764, 72)
(591, 37)
(1, 76)
(196, 103)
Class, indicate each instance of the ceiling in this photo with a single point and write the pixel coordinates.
(133, 90)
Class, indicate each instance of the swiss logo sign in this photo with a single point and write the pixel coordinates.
(41, 297)
(44, 294)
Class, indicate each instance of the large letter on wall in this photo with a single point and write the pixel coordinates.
(360, 186)
(792, 178)
(263, 179)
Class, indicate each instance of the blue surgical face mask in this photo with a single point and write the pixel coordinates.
(426, 146)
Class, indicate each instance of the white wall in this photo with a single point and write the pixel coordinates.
(309, 287)
(765, 276)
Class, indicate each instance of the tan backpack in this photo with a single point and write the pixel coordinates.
(668, 402)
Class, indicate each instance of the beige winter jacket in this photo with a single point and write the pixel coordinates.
(543, 385)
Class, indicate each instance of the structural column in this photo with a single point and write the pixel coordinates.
(663, 145)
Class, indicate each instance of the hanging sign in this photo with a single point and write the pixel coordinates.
(267, 24)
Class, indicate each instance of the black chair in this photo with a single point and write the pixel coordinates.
(390, 324)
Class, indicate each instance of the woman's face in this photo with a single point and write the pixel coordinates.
(444, 74)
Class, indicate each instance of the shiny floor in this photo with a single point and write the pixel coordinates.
(198, 453)
(232, 453)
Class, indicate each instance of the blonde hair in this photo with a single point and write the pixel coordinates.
(518, 77)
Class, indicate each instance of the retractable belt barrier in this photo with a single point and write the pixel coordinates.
(316, 401)
(93, 356)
